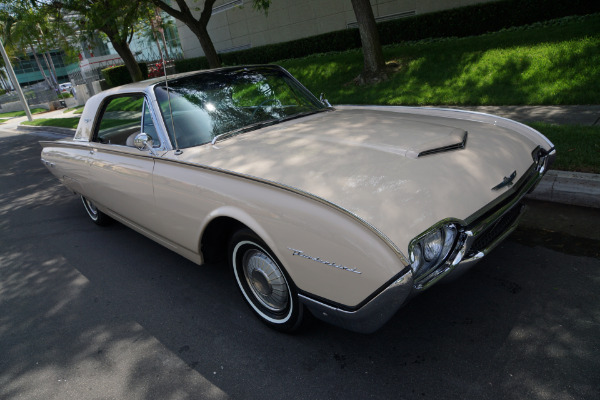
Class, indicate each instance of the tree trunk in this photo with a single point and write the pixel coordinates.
(52, 69)
(52, 77)
(39, 64)
(128, 58)
(197, 26)
(214, 61)
(374, 65)
(4, 85)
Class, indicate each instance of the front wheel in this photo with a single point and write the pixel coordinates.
(97, 216)
(263, 282)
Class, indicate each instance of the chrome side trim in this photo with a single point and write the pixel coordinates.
(377, 232)
(370, 317)
(300, 192)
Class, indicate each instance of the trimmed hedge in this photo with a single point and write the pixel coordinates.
(119, 75)
(458, 22)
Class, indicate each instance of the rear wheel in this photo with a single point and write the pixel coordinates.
(264, 284)
(97, 216)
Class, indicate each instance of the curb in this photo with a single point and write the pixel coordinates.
(53, 129)
(574, 188)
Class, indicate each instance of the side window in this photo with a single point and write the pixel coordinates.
(148, 126)
(121, 121)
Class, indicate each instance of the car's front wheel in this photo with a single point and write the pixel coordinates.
(97, 216)
(264, 284)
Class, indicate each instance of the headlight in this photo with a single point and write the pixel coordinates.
(431, 249)
(433, 244)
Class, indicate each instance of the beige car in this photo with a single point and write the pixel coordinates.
(344, 213)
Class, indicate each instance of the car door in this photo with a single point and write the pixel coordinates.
(122, 174)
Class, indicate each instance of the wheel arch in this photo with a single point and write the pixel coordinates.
(220, 225)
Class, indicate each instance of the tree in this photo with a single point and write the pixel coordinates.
(23, 29)
(153, 31)
(374, 69)
(117, 19)
(199, 25)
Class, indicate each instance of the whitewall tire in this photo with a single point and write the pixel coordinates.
(263, 282)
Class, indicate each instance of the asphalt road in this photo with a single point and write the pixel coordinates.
(104, 313)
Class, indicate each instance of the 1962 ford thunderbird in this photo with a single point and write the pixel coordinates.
(344, 212)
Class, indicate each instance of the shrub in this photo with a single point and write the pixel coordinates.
(119, 75)
(459, 22)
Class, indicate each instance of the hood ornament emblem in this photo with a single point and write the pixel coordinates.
(507, 181)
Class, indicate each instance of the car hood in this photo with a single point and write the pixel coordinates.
(399, 171)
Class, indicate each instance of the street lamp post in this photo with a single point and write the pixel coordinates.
(15, 82)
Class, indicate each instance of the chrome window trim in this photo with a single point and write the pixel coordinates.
(159, 123)
(106, 148)
(164, 144)
(146, 106)
(149, 91)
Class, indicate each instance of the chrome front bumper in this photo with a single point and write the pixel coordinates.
(370, 316)
(482, 233)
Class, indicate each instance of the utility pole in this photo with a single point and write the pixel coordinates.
(15, 82)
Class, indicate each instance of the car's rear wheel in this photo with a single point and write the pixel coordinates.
(97, 216)
(264, 284)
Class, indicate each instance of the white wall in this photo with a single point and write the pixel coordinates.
(293, 19)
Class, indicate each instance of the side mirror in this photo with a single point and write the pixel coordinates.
(143, 142)
(323, 100)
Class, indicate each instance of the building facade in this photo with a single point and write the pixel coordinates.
(235, 25)
(28, 72)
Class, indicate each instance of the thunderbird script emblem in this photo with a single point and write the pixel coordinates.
(507, 181)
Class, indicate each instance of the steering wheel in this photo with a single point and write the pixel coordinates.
(261, 106)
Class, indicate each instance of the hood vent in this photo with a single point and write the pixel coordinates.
(457, 146)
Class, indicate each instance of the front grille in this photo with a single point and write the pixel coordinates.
(497, 228)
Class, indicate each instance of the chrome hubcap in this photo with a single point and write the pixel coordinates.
(266, 280)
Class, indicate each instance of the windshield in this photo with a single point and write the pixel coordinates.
(207, 105)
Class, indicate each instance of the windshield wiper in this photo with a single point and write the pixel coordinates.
(304, 114)
(244, 129)
(269, 122)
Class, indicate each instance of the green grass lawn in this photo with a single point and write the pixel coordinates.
(552, 63)
(58, 122)
(72, 122)
(577, 147)
(13, 114)
(555, 63)
(76, 110)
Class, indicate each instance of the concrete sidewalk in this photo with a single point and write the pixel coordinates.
(14, 124)
(588, 115)
(573, 188)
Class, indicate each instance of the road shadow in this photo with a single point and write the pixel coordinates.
(104, 312)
